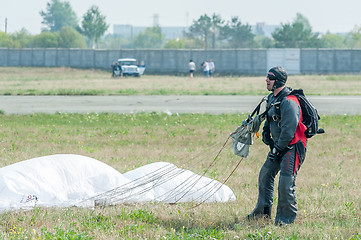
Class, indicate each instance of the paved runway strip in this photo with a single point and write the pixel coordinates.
(350, 105)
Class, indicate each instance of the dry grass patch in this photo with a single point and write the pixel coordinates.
(68, 81)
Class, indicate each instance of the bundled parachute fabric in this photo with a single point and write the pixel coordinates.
(243, 136)
(57, 180)
(65, 180)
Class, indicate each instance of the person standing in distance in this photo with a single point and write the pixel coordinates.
(205, 67)
(211, 67)
(283, 132)
(192, 68)
(116, 70)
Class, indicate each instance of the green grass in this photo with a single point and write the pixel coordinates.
(346, 78)
(328, 183)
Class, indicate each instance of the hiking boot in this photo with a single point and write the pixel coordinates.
(257, 214)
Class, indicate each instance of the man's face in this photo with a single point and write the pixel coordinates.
(270, 84)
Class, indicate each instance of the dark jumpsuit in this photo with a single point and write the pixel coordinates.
(284, 129)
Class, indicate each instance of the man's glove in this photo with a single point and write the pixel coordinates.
(272, 157)
(275, 154)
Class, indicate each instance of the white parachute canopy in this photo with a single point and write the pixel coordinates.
(65, 180)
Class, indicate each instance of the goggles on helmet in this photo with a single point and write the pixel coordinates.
(271, 76)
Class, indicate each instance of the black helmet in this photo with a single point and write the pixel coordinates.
(278, 74)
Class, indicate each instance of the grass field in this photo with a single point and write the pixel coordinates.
(66, 81)
(328, 184)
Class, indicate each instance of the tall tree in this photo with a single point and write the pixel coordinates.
(333, 41)
(237, 34)
(216, 25)
(263, 42)
(111, 41)
(302, 19)
(45, 40)
(202, 28)
(152, 37)
(192, 41)
(353, 38)
(68, 37)
(175, 43)
(93, 25)
(58, 14)
(6, 41)
(21, 38)
(295, 36)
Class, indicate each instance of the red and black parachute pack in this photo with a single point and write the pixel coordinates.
(309, 114)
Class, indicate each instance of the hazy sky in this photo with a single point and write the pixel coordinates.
(324, 15)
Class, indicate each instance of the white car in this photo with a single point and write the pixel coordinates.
(131, 67)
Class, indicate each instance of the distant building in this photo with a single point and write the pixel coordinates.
(129, 31)
(263, 29)
(173, 32)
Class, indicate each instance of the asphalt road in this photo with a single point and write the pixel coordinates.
(350, 105)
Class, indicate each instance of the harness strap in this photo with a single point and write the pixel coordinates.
(258, 108)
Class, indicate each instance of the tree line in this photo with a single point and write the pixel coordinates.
(62, 30)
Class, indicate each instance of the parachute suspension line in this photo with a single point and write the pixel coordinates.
(224, 182)
(132, 184)
(156, 178)
(121, 197)
(220, 184)
(188, 184)
(212, 163)
(118, 194)
(153, 182)
(128, 190)
(142, 185)
(161, 179)
(201, 155)
(166, 177)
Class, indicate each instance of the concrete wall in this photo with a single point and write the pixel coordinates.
(323, 61)
(236, 62)
(289, 58)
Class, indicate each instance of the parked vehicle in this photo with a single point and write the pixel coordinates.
(130, 67)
